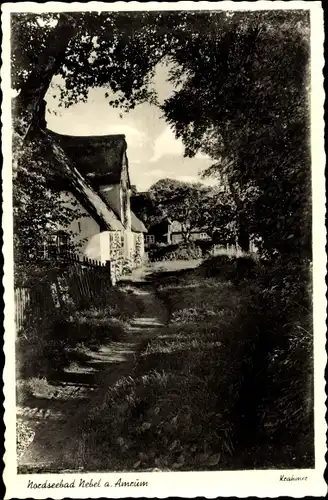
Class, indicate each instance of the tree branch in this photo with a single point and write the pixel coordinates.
(29, 105)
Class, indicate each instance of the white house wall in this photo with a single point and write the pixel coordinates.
(139, 248)
(88, 241)
(84, 230)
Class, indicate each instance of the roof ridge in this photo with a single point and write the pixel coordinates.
(52, 132)
(136, 224)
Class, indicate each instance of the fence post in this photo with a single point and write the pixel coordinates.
(111, 270)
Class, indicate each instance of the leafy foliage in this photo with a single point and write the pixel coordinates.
(241, 97)
(182, 251)
(145, 207)
(38, 208)
(29, 37)
(181, 202)
(117, 50)
(245, 103)
(220, 215)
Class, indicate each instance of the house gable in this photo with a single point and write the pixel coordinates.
(99, 178)
(73, 181)
(117, 195)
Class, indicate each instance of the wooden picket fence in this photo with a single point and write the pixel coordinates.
(72, 283)
(71, 257)
(22, 302)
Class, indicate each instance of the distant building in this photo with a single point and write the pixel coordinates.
(170, 232)
(176, 233)
(159, 233)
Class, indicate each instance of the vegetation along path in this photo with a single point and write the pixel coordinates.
(185, 371)
(57, 411)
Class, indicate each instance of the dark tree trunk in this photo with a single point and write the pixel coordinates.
(243, 239)
(29, 105)
(243, 235)
(186, 238)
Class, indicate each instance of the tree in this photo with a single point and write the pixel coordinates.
(182, 202)
(43, 46)
(145, 207)
(219, 216)
(37, 208)
(244, 102)
(241, 97)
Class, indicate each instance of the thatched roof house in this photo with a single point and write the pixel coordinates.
(97, 178)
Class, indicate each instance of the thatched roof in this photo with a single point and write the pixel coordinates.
(137, 225)
(98, 158)
(81, 173)
(68, 177)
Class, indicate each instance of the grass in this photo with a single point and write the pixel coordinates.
(151, 428)
(47, 345)
(35, 387)
(225, 385)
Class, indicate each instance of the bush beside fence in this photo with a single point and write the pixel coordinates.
(181, 251)
(43, 289)
(51, 299)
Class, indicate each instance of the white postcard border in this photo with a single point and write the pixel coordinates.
(259, 483)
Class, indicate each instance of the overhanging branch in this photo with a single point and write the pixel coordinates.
(28, 106)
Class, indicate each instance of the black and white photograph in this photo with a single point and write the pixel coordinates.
(164, 210)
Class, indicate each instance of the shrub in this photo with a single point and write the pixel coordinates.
(180, 251)
(41, 348)
(36, 387)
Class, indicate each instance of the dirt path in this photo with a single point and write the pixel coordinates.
(58, 420)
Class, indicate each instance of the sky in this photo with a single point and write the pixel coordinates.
(153, 151)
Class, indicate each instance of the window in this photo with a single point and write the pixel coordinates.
(58, 243)
(79, 226)
(203, 236)
(150, 239)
